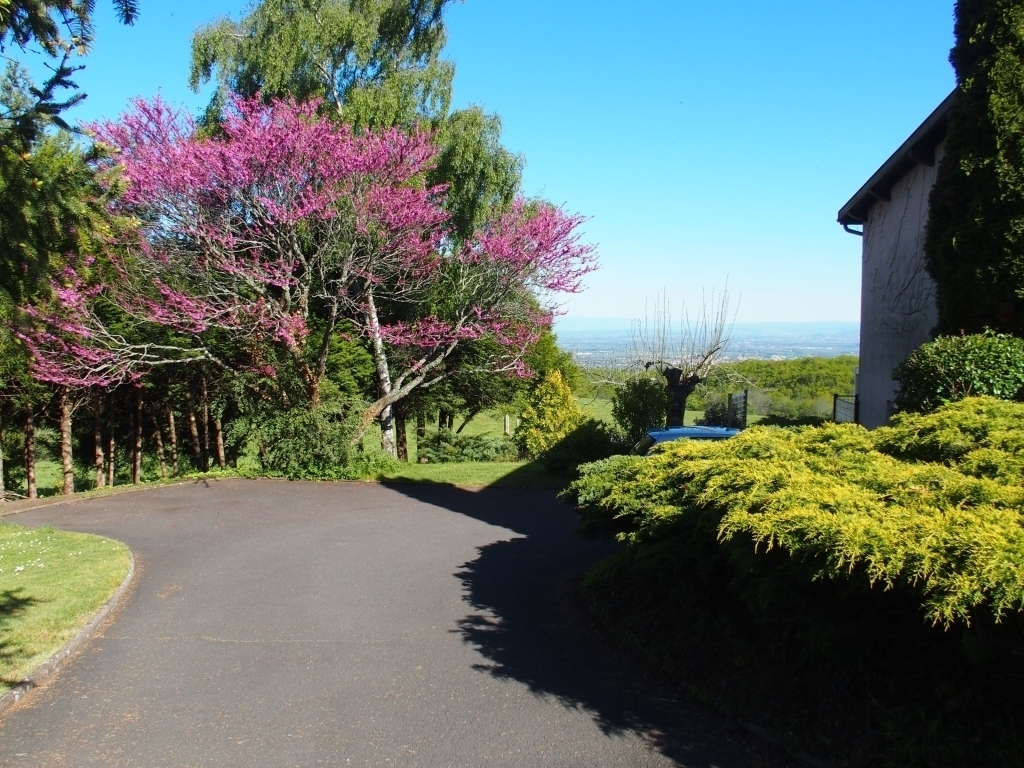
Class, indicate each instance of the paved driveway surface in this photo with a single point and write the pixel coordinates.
(294, 624)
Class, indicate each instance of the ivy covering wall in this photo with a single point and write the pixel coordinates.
(975, 239)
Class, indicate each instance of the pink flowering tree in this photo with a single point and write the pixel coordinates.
(284, 222)
(501, 285)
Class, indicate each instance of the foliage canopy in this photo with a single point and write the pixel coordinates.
(975, 237)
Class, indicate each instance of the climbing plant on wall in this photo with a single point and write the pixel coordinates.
(975, 239)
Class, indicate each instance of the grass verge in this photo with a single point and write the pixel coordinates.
(51, 582)
(520, 474)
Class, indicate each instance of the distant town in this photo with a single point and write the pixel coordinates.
(607, 342)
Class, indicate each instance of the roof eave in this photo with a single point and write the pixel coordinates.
(919, 149)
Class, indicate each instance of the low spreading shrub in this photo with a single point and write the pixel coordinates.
(826, 496)
(863, 590)
(445, 446)
(303, 443)
(951, 368)
(979, 436)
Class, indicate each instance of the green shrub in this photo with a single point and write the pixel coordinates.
(304, 443)
(590, 441)
(828, 498)
(640, 404)
(445, 446)
(716, 414)
(951, 368)
(980, 436)
(549, 416)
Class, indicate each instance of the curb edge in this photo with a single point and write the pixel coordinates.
(52, 664)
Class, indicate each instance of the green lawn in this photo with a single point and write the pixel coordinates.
(51, 582)
(521, 474)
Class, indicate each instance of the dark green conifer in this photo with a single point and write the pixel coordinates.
(975, 239)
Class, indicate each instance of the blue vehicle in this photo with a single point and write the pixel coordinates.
(656, 436)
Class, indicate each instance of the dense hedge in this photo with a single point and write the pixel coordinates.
(951, 368)
(976, 208)
(829, 497)
(876, 580)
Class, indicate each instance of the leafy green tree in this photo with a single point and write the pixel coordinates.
(374, 63)
(975, 238)
(51, 201)
(546, 356)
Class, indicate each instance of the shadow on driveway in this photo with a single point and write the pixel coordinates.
(526, 618)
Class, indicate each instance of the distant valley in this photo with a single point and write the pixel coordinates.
(607, 342)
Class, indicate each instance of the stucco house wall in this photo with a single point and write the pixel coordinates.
(898, 309)
(897, 298)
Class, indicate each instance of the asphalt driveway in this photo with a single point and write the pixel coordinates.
(300, 624)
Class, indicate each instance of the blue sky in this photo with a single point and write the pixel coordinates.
(706, 141)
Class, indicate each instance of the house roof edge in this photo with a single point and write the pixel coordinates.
(918, 149)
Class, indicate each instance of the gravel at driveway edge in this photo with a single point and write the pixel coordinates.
(81, 637)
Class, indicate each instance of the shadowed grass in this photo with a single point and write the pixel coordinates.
(512, 474)
(51, 582)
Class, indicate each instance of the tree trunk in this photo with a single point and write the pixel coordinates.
(679, 388)
(469, 418)
(30, 455)
(380, 360)
(137, 441)
(421, 425)
(451, 421)
(442, 419)
(3, 487)
(218, 435)
(204, 410)
(402, 437)
(193, 431)
(388, 443)
(66, 460)
(97, 444)
(172, 432)
(110, 441)
(158, 438)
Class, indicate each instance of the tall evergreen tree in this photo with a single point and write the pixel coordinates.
(975, 238)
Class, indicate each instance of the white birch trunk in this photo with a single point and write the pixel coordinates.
(387, 422)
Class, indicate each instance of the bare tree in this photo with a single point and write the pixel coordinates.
(684, 354)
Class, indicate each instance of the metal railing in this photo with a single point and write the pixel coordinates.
(846, 409)
(738, 409)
